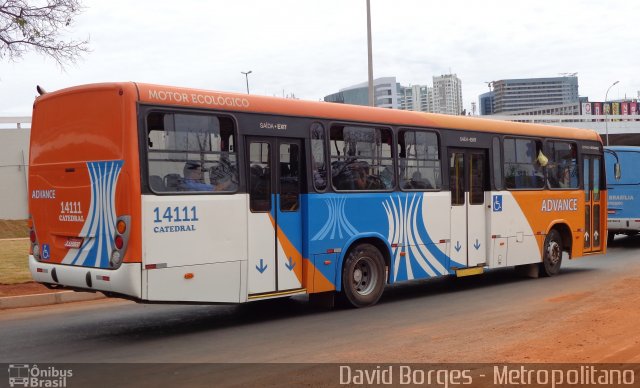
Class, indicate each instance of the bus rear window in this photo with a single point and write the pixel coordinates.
(191, 153)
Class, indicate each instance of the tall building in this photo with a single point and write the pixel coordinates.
(486, 103)
(386, 94)
(511, 96)
(415, 97)
(446, 97)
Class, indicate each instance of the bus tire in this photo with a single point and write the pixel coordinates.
(610, 237)
(552, 254)
(363, 276)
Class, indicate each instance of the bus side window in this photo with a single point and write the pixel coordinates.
(419, 161)
(191, 153)
(562, 167)
(361, 158)
(522, 169)
(319, 167)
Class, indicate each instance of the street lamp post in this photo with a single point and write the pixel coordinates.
(246, 76)
(370, 55)
(606, 113)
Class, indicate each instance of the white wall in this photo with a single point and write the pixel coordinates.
(14, 157)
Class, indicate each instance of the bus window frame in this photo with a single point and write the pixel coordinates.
(143, 111)
(373, 125)
(439, 146)
(579, 165)
(544, 169)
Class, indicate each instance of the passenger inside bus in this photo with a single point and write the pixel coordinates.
(193, 178)
(222, 175)
(354, 174)
(417, 182)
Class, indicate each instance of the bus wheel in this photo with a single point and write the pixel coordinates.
(552, 259)
(610, 237)
(363, 276)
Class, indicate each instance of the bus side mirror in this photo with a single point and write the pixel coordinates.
(617, 171)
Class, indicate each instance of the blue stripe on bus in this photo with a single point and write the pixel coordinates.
(333, 220)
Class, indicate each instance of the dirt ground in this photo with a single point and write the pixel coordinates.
(23, 289)
(13, 229)
(600, 327)
(589, 327)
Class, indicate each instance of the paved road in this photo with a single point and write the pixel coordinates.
(441, 314)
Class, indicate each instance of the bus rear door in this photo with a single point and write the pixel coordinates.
(274, 174)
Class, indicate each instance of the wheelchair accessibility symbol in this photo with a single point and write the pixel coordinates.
(497, 203)
(46, 252)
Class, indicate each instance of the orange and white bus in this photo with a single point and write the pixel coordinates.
(167, 194)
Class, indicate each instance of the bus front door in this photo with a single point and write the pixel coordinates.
(593, 204)
(468, 171)
(274, 171)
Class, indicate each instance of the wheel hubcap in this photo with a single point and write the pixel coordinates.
(553, 251)
(357, 275)
(364, 276)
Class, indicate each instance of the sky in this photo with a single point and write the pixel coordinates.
(312, 48)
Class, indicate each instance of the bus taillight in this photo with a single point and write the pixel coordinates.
(34, 249)
(120, 241)
(121, 226)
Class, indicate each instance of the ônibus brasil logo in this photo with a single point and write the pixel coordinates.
(25, 375)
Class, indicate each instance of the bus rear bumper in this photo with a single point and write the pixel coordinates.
(126, 280)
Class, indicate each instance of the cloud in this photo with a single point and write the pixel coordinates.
(315, 48)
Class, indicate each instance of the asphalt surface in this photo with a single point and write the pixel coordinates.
(291, 330)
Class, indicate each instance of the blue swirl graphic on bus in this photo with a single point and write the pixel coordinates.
(336, 222)
(414, 254)
(99, 228)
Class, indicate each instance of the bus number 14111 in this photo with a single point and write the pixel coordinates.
(176, 214)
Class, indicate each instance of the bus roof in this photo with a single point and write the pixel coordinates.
(197, 98)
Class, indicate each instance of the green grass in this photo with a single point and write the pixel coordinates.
(13, 229)
(14, 261)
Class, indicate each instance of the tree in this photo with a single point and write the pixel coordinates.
(37, 25)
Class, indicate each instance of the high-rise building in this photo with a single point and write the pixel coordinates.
(415, 97)
(386, 94)
(486, 103)
(446, 97)
(514, 95)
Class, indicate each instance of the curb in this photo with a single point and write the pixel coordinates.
(12, 302)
